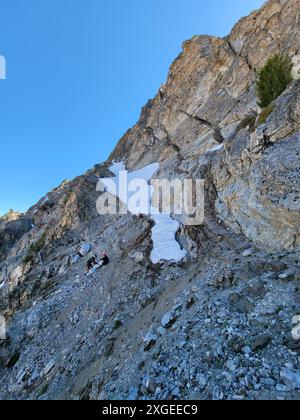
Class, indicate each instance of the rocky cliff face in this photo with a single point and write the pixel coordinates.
(215, 325)
(12, 227)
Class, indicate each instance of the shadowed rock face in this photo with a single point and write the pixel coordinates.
(12, 229)
(217, 325)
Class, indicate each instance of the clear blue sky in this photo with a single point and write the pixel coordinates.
(78, 73)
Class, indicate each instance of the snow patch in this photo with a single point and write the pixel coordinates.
(165, 246)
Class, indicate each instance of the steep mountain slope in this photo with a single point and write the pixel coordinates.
(218, 323)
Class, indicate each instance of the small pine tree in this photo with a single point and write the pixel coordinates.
(274, 78)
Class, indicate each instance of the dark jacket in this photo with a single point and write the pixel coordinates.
(91, 262)
(105, 259)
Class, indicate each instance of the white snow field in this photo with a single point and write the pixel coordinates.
(165, 246)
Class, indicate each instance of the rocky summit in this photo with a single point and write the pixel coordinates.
(223, 321)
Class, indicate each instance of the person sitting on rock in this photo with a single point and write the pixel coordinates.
(104, 260)
(91, 263)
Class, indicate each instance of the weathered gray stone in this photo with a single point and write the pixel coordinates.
(296, 320)
(138, 257)
(75, 259)
(201, 381)
(85, 249)
(21, 375)
(260, 341)
(247, 253)
(282, 388)
(171, 317)
(296, 332)
(149, 341)
(247, 350)
(296, 67)
(240, 303)
(49, 367)
(291, 378)
(65, 266)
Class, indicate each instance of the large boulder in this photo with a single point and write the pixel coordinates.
(85, 249)
(291, 378)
